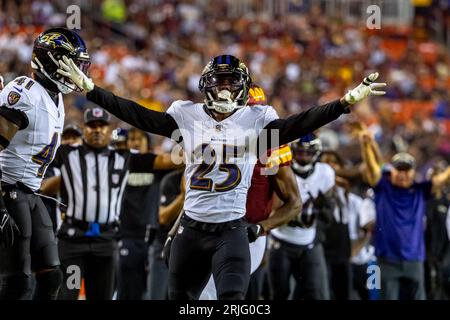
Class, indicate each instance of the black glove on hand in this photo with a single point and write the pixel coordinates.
(320, 201)
(254, 231)
(325, 206)
(8, 228)
(307, 217)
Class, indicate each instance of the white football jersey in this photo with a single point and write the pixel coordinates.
(217, 183)
(363, 213)
(322, 179)
(32, 149)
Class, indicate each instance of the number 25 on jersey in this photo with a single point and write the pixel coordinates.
(198, 179)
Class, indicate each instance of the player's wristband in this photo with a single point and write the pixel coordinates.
(345, 105)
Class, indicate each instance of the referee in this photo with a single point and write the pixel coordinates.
(92, 185)
(93, 178)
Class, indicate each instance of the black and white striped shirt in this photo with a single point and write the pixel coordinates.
(93, 182)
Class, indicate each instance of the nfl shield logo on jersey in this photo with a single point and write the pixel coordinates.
(13, 195)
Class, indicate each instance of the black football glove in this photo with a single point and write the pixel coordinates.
(306, 220)
(8, 229)
(325, 207)
(254, 231)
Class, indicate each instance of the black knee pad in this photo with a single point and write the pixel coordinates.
(231, 296)
(48, 284)
(15, 287)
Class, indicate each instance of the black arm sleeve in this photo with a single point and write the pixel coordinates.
(133, 113)
(18, 117)
(58, 160)
(142, 162)
(306, 122)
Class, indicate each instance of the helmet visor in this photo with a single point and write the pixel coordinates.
(231, 81)
(83, 65)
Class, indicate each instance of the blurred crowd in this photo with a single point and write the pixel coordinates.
(154, 51)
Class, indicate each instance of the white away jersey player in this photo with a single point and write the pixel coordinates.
(217, 184)
(33, 148)
(365, 214)
(322, 179)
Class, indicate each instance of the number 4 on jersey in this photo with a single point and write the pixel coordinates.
(45, 156)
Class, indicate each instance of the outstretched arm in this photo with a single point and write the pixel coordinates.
(308, 121)
(168, 161)
(133, 113)
(372, 172)
(129, 111)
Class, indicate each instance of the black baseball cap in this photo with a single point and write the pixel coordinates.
(403, 161)
(96, 114)
(72, 128)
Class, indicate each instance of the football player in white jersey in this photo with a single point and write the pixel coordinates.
(215, 136)
(296, 248)
(31, 123)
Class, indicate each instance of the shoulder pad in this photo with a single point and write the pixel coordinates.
(19, 90)
(182, 103)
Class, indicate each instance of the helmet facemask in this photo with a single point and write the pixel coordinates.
(64, 84)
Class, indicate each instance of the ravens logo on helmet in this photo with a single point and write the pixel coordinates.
(49, 47)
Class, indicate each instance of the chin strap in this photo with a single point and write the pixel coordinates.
(303, 171)
(226, 105)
